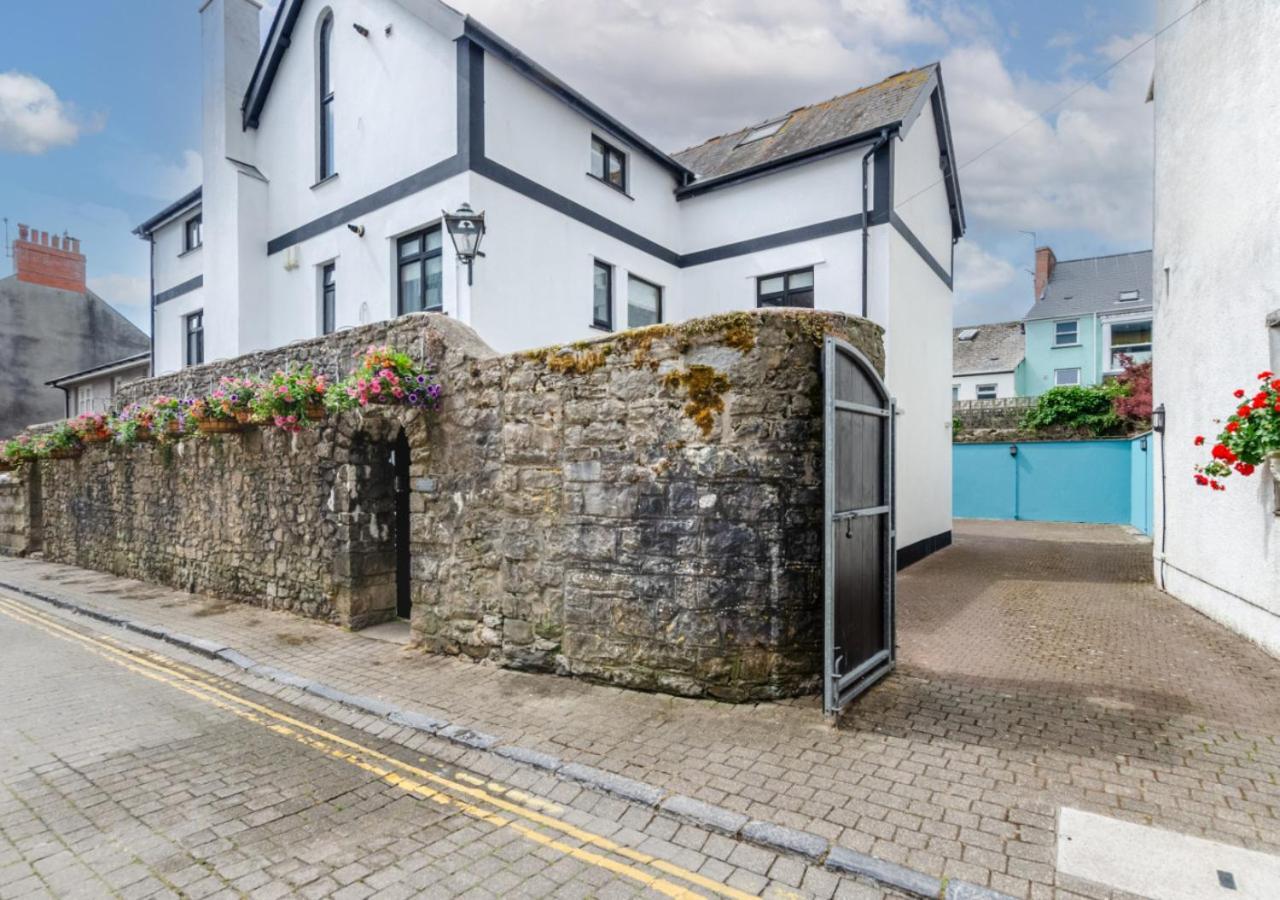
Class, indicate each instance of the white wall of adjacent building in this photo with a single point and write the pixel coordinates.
(1215, 258)
(966, 387)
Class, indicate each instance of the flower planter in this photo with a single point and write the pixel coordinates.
(64, 453)
(144, 435)
(315, 411)
(173, 427)
(244, 416)
(97, 437)
(217, 426)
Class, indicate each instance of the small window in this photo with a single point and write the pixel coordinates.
(193, 234)
(967, 334)
(1066, 333)
(955, 392)
(986, 392)
(327, 168)
(768, 129)
(1065, 377)
(194, 333)
(609, 164)
(602, 301)
(644, 303)
(84, 399)
(328, 299)
(1128, 296)
(418, 259)
(787, 289)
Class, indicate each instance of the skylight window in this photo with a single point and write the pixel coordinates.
(768, 129)
(1128, 295)
(968, 334)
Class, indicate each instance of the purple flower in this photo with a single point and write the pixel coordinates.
(235, 398)
(413, 398)
(434, 391)
(422, 379)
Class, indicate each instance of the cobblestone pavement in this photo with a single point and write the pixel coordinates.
(130, 774)
(1038, 669)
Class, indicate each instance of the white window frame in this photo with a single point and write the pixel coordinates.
(1057, 335)
(1108, 349)
(994, 388)
(955, 392)
(84, 398)
(1057, 377)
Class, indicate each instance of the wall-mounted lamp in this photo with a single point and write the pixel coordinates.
(1157, 419)
(1013, 449)
(466, 228)
(357, 230)
(360, 29)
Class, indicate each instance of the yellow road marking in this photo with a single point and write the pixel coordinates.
(196, 685)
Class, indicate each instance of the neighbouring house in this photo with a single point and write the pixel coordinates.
(51, 323)
(332, 150)
(987, 361)
(90, 390)
(1088, 315)
(1217, 303)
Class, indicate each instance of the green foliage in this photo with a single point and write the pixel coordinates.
(1081, 408)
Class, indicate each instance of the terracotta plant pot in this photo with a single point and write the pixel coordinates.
(217, 426)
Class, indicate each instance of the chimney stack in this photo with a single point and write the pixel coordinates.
(57, 265)
(1045, 261)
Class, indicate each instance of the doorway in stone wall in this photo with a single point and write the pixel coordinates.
(400, 464)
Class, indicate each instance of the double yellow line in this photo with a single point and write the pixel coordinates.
(477, 802)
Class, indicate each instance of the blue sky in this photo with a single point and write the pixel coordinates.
(100, 123)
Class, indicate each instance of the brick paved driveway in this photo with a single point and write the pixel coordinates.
(1039, 669)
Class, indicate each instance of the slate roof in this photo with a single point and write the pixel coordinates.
(999, 347)
(1079, 287)
(865, 110)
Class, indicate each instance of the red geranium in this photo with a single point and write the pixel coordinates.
(1239, 392)
(1199, 440)
(1248, 437)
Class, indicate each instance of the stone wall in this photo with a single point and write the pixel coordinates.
(20, 519)
(643, 509)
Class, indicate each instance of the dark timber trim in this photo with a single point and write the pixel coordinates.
(177, 291)
(921, 250)
(842, 225)
(913, 553)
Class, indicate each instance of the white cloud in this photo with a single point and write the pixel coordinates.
(33, 120)
(161, 178)
(127, 293)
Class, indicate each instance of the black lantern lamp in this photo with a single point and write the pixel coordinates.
(466, 228)
(1157, 419)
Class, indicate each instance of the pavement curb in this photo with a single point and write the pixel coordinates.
(777, 838)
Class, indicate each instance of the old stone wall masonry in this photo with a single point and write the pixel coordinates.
(643, 509)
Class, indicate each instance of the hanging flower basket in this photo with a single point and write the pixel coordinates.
(144, 435)
(64, 453)
(217, 426)
(315, 411)
(244, 416)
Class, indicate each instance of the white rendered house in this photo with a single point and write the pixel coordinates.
(331, 152)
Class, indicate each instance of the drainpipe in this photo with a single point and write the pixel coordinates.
(866, 202)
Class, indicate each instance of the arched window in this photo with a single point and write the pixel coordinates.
(327, 167)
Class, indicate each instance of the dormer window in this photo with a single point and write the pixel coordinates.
(327, 168)
(1129, 296)
(968, 334)
(609, 164)
(760, 132)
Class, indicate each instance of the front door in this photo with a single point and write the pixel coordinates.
(400, 459)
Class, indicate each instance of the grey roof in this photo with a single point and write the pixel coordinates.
(998, 347)
(133, 361)
(1079, 287)
(861, 112)
(169, 212)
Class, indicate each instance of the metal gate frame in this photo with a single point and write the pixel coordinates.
(841, 687)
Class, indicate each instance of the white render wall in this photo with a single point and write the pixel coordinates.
(1006, 385)
(1216, 223)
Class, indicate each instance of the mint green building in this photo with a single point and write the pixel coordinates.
(1088, 315)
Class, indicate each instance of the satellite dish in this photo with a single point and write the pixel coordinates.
(364, 313)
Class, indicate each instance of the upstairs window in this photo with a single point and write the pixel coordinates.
(1066, 333)
(602, 301)
(788, 289)
(1131, 339)
(327, 165)
(193, 232)
(644, 303)
(328, 299)
(609, 164)
(1129, 296)
(193, 329)
(418, 258)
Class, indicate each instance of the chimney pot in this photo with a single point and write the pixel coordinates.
(57, 242)
(57, 264)
(1045, 262)
(23, 231)
(44, 238)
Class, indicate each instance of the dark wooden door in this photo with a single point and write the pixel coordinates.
(400, 459)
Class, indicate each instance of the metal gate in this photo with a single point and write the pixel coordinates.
(858, 543)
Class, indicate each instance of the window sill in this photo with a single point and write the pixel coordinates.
(1065, 346)
(191, 250)
(609, 184)
(596, 326)
(325, 180)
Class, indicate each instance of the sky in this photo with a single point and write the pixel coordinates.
(100, 124)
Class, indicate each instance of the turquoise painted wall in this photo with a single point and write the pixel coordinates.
(1043, 357)
(1105, 482)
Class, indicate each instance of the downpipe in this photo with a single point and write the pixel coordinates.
(866, 204)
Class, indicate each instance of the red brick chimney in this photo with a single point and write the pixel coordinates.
(1045, 261)
(56, 264)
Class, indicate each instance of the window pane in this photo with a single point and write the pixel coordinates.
(1066, 376)
(1130, 333)
(616, 169)
(800, 298)
(597, 158)
(328, 275)
(410, 246)
(772, 285)
(411, 287)
(801, 279)
(643, 303)
(434, 292)
(327, 167)
(433, 239)
(602, 314)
